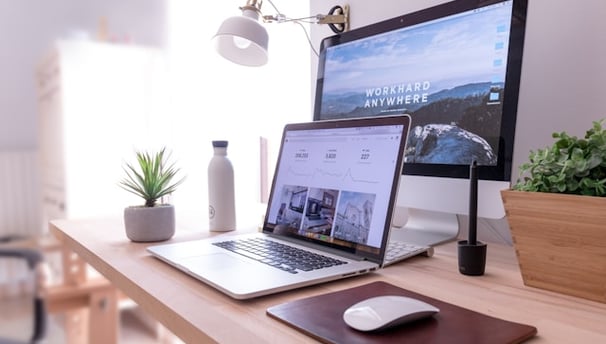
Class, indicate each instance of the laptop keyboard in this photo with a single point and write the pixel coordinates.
(284, 257)
(398, 250)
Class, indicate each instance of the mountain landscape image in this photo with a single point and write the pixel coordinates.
(447, 74)
(452, 127)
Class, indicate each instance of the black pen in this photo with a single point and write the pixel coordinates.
(473, 202)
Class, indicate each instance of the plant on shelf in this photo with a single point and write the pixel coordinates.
(152, 178)
(571, 165)
(556, 215)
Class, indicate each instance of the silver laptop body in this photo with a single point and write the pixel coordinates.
(333, 193)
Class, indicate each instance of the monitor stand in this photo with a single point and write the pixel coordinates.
(424, 227)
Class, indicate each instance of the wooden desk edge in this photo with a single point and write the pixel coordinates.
(501, 263)
(182, 328)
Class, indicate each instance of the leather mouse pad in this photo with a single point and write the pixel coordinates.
(321, 317)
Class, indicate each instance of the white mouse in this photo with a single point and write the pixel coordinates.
(381, 312)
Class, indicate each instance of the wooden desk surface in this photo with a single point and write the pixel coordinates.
(198, 313)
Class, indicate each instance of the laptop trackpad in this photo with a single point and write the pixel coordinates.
(213, 261)
(230, 272)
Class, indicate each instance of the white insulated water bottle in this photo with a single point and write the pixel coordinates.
(221, 192)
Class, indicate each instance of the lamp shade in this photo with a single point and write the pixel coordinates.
(243, 40)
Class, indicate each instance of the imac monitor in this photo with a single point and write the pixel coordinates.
(455, 69)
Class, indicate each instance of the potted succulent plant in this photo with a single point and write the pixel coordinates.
(152, 178)
(557, 215)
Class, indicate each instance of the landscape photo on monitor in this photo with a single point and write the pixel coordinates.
(448, 74)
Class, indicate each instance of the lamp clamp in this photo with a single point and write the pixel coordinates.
(337, 18)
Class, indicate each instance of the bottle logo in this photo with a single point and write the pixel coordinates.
(211, 212)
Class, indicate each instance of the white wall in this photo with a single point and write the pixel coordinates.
(27, 28)
(216, 99)
(210, 98)
(564, 68)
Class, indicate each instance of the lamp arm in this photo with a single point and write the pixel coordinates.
(337, 18)
(319, 19)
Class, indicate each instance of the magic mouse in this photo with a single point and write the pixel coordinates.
(381, 312)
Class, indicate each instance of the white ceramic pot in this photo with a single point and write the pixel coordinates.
(145, 224)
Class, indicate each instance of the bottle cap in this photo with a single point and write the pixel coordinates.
(221, 144)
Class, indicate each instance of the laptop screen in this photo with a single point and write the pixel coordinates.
(335, 182)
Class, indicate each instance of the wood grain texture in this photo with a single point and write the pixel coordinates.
(198, 313)
(560, 241)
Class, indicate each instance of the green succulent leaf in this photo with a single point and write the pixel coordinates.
(152, 177)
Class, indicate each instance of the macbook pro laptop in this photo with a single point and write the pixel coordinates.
(330, 207)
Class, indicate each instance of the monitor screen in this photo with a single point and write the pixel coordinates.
(454, 68)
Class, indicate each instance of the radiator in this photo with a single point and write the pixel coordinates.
(20, 199)
(20, 212)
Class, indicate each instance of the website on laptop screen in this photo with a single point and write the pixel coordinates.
(334, 185)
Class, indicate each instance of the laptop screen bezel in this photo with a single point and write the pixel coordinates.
(357, 250)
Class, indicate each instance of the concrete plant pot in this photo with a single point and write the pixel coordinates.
(147, 224)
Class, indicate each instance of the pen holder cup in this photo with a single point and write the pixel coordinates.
(472, 258)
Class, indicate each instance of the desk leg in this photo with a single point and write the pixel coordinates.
(76, 326)
(104, 317)
(74, 268)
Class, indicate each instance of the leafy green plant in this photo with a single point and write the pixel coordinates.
(153, 179)
(571, 165)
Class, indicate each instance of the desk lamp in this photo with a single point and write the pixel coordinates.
(243, 40)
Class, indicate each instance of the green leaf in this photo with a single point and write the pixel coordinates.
(154, 177)
(570, 165)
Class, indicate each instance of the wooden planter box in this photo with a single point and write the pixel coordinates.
(560, 241)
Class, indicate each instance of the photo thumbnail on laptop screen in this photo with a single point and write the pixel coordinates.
(334, 185)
